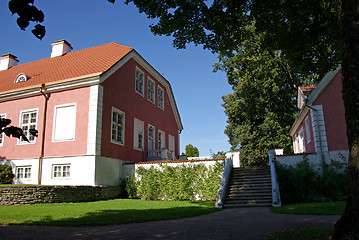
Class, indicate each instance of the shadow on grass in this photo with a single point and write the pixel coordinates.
(114, 217)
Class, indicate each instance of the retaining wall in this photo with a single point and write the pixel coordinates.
(21, 195)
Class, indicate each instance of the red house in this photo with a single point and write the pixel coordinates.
(94, 109)
(320, 126)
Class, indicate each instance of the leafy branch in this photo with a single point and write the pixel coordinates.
(14, 131)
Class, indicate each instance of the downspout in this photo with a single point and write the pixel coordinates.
(319, 135)
(46, 98)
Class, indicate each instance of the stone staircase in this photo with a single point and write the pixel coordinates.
(249, 187)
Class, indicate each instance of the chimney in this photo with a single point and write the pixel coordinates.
(7, 61)
(60, 48)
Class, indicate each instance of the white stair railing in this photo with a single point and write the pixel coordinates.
(224, 182)
(276, 202)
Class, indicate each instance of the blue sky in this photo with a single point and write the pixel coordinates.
(88, 23)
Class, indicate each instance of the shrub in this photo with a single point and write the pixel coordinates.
(6, 175)
(185, 182)
(302, 183)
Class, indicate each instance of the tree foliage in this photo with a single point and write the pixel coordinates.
(191, 151)
(14, 131)
(261, 108)
(6, 175)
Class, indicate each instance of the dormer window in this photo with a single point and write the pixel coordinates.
(21, 78)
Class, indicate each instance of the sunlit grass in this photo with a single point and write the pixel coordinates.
(110, 212)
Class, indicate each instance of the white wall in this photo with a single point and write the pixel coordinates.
(82, 170)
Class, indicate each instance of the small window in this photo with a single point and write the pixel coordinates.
(118, 126)
(23, 173)
(2, 134)
(151, 90)
(64, 123)
(139, 81)
(301, 142)
(160, 97)
(138, 137)
(171, 143)
(61, 171)
(28, 121)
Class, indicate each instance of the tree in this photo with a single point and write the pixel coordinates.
(219, 154)
(191, 151)
(14, 131)
(218, 26)
(261, 109)
(6, 175)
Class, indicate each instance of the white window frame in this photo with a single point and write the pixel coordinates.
(2, 135)
(161, 138)
(171, 143)
(153, 137)
(307, 130)
(160, 99)
(25, 173)
(151, 90)
(32, 139)
(119, 112)
(138, 138)
(301, 141)
(71, 136)
(140, 91)
(61, 169)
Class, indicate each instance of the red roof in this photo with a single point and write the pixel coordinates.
(307, 89)
(75, 64)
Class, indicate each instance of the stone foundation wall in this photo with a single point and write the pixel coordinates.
(20, 195)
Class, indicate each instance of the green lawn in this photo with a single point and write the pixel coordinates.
(313, 208)
(110, 212)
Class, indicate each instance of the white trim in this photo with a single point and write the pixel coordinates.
(19, 142)
(119, 112)
(94, 131)
(323, 133)
(163, 139)
(307, 130)
(55, 122)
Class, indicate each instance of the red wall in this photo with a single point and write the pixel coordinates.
(11, 150)
(119, 92)
(334, 114)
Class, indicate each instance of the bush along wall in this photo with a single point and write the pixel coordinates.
(303, 183)
(184, 182)
(6, 175)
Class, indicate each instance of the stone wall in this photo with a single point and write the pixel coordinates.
(20, 195)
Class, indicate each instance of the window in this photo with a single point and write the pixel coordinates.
(151, 137)
(139, 81)
(2, 134)
(28, 121)
(118, 126)
(23, 173)
(61, 171)
(138, 139)
(160, 97)
(307, 130)
(171, 143)
(301, 141)
(151, 90)
(64, 123)
(161, 140)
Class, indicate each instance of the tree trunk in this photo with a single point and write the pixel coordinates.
(348, 10)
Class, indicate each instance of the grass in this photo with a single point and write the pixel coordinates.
(110, 212)
(322, 233)
(313, 208)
